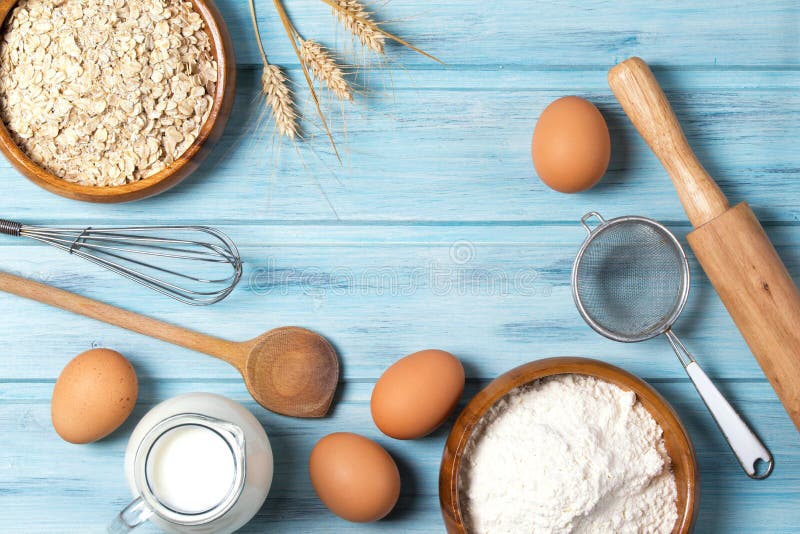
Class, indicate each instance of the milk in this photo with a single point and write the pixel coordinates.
(191, 469)
(196, 463)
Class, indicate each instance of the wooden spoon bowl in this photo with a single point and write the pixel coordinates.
(678, 444)
(183, 166)
(292, 371)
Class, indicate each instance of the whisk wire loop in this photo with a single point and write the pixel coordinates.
(132, 252)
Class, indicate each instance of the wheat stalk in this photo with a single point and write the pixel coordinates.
(291, 32)
(275, 86)
(324, 68)
(358, 21)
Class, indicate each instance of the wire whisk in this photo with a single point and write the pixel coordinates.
(195, 265)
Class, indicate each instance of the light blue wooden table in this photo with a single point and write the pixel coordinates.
(434, 233)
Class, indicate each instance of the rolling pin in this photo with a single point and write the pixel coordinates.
(729, 243)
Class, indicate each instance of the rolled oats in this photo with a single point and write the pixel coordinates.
(105, 92)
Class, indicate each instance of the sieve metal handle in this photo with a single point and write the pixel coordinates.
(741, 439)
(585, 221)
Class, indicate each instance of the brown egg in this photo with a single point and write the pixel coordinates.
(93, 396)
(354, 477)
(417, 394)
(571, 147)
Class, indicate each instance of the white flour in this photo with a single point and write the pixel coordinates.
(566, 454)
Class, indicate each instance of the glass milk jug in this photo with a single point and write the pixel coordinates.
(197, 463)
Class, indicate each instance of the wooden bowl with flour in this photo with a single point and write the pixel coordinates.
(183, 165)
(676, 440)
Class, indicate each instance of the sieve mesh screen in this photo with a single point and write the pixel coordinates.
(630, 279)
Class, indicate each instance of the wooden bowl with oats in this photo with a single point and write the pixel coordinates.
(198, 137)
(676, 440)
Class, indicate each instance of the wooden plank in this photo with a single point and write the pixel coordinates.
(64, 494)
(442, 153)
(516, 32)
(496, 295)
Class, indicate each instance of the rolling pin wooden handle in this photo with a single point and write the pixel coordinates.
(637, 90)
(226, 350)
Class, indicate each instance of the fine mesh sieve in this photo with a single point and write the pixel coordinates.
(631, 278)
(630, 282)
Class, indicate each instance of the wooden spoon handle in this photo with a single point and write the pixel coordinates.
(641, 97)
(229, 351)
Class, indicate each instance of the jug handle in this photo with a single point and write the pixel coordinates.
(136, 513)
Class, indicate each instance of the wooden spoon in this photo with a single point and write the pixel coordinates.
(289, 370)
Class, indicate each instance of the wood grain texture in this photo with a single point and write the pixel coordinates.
(469, 162)
(556, 34)
(758, 292)
(437, 180)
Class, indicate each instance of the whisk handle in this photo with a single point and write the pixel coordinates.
(10, 227)
(231, 352)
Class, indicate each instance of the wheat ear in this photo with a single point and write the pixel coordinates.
(324, 68)
(358, 21)
(335, 4)
(275, 87)
(291, 32)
